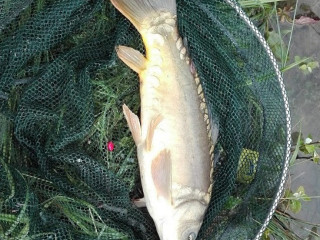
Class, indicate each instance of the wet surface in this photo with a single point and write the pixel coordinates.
(304, 97)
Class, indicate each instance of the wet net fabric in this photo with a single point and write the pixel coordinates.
(61, 93)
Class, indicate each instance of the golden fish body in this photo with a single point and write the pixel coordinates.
(173, 144)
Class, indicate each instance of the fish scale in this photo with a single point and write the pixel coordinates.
(158, 25)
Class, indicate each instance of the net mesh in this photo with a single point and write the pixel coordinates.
(61, 93)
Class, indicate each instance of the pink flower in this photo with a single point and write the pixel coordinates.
(110, 146)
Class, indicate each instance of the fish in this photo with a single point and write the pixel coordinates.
(173, 135)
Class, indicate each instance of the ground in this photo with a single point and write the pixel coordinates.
(304, 97)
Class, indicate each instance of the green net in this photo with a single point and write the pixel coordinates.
(61, 93)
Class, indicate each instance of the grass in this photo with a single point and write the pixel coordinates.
(257, 3)
(83, 216)
(112, 86)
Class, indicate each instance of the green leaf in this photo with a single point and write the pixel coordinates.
(300, 190)
(307, 148)
(295, 206)
(307, 67)
(303, 67)
(277, 45)
(301, 195)
(266, 234)
(316, 157)
(313, 65)
(297, 58)
(288, 193)
(310, 148)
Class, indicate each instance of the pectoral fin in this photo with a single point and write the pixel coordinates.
(132, 58)
(133, 123)
(161, 174)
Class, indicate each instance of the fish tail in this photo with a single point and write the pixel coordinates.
(141, 12)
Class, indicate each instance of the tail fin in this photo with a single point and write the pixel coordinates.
(138, 10)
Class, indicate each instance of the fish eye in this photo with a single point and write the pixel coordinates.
(192, 236)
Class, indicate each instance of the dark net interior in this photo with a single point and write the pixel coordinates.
(61, 93)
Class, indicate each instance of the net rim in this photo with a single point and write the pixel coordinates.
(262, 40)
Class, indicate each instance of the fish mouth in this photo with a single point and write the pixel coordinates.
(184, 230)
(184, 221)
(190, 231)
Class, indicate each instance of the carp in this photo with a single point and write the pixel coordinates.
(174, 138)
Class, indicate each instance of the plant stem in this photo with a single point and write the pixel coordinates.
(302, 198)
(292, 65)
(289, 44)
(289, 216)
(256, 3)
(279, 32)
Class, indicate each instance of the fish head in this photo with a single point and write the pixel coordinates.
(184, 222)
